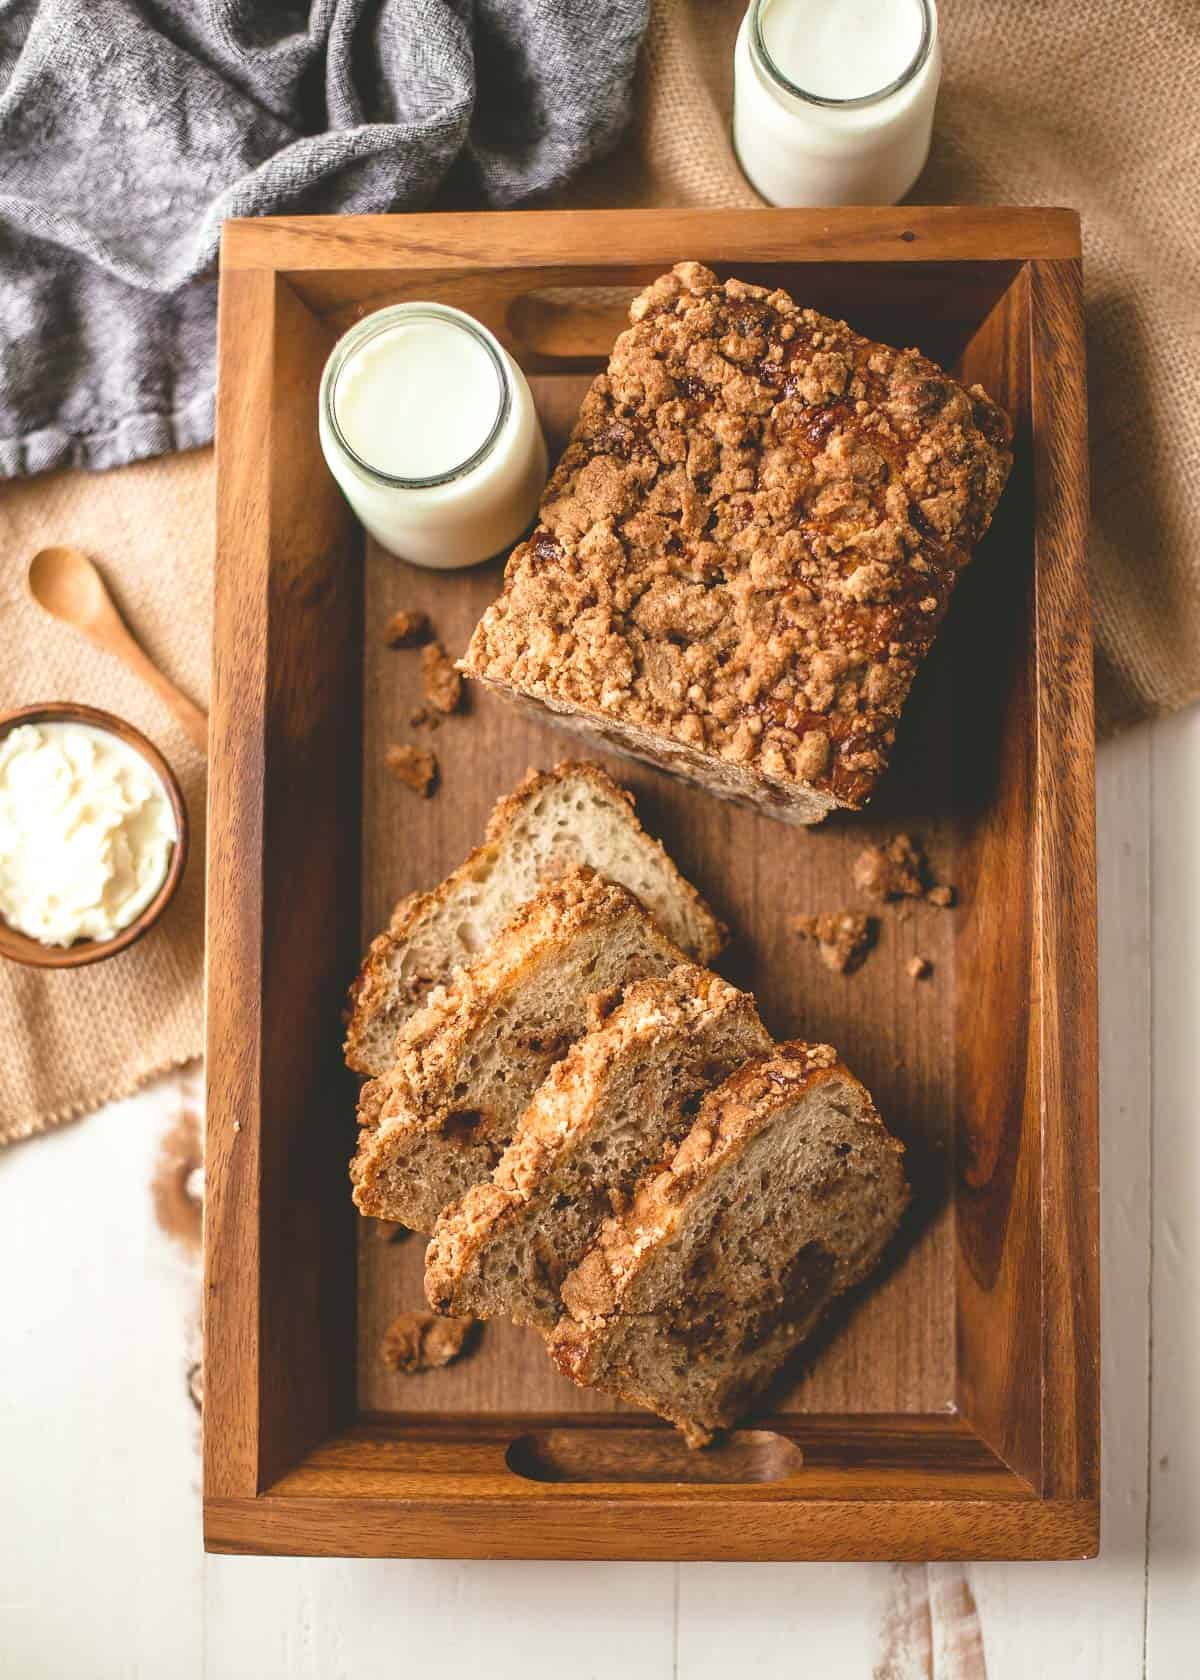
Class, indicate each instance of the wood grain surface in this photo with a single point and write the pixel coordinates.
(282, 880)
(345, 246)
(983, 1321)
(1068, 1014)
(996, 1043)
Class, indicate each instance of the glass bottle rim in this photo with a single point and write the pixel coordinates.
(381, 321)
(766, 64)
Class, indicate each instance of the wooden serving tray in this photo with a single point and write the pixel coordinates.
(952, 1411)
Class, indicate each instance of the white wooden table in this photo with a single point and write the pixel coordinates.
(101, 1569)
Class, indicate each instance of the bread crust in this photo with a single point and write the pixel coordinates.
(413, 1108)
(374, 991)
(598, 1291)
(747, 547)
(690, 1001)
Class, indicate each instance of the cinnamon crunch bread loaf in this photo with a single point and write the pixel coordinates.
(748, 545)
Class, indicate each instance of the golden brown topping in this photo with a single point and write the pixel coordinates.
(423, 1341)
(843, 937)
(588, 1291)
(443, 684)
(413, 767)
(601, 1005)
(751, 537)
(407, 628)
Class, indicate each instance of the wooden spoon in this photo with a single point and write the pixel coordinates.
(65, 583)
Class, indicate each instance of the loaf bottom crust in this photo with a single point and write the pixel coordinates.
(800, 806)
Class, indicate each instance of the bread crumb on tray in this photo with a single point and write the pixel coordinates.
(919, 968)
(895, 870)
(413, 767)
(407, 628)
(443, 684)
(423, 1341)
(843, 937)
(900, 869)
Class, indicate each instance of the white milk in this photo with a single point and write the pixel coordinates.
(833, 99)
(428, 426)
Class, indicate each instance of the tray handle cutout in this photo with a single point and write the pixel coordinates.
(571, 322)
(651, 1455)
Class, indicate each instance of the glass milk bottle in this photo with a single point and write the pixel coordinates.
(429, 428)
(833, 99)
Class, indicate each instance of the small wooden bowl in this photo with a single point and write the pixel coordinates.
(19, 947)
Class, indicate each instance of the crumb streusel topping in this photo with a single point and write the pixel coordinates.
(752, 535)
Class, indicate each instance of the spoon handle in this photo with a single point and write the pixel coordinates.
(189, 717)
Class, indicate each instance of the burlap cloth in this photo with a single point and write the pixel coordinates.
(71, 1039)
(1044, 102)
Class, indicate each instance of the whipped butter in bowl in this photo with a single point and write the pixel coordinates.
(428, 426)
(92, 835)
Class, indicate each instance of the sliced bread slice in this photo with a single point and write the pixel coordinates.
(783, 1195)
(613, 1109)
(573, 814)
(468, 1063)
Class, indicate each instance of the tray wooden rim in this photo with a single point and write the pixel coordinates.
(263, 1494)
(869, 233)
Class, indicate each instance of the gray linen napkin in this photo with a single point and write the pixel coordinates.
(129, 129)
